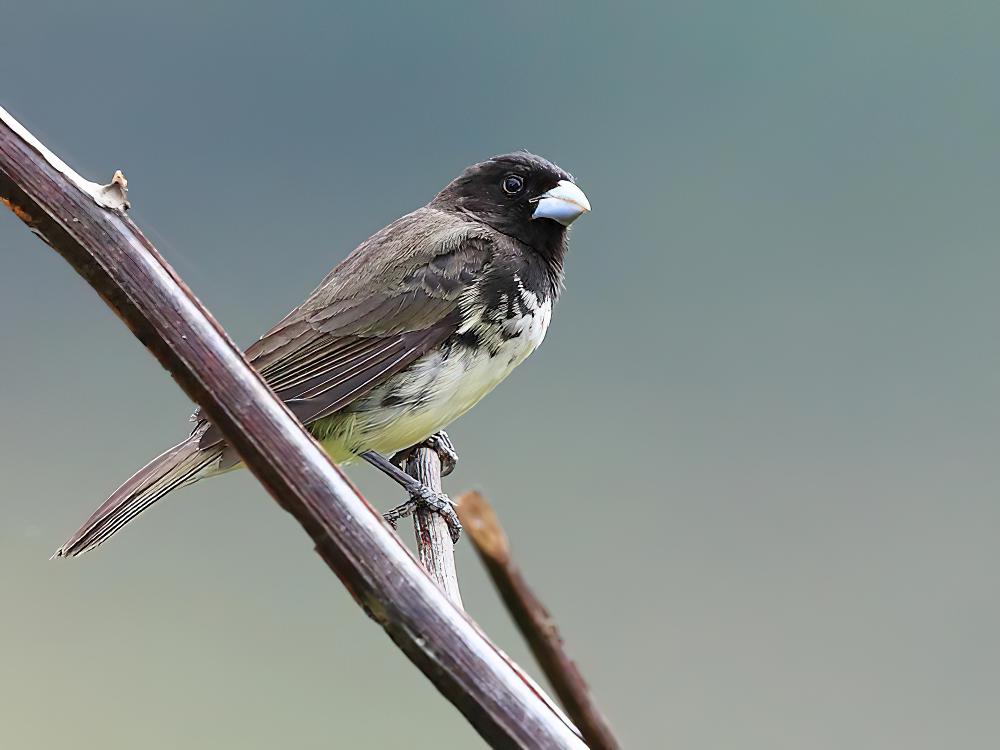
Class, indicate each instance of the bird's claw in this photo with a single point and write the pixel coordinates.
(425, 497)
(441, 444)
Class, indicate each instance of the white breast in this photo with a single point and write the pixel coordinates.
(442, 385)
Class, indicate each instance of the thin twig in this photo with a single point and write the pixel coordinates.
(85, 223)
(534, 621)
(435, 549)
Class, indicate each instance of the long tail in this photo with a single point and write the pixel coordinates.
(183, 464)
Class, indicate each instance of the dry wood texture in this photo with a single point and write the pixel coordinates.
(534, 621)
(434, 545)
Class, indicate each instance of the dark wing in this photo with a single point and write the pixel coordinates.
(392, 300)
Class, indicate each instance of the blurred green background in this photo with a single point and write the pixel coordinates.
(753, 470)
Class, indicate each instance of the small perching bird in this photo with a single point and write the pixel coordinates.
(409, 332)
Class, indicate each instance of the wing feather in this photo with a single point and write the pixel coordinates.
(356, 330)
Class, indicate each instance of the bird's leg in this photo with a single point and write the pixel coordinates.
(441, 444)
(420, 495)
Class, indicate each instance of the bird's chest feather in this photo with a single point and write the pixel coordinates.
(497, 339)
(497, 335)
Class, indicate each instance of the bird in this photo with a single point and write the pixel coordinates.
(406, 334)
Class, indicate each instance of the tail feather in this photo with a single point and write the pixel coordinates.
(182, 464)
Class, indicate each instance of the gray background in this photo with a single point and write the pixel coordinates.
(752, 470)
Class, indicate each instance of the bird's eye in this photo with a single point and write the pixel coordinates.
(512, 184)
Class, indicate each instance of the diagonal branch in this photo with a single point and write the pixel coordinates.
(84, 222)
(534, 621)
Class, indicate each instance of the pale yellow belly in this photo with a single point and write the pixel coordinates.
(438, 388)
(435, 391)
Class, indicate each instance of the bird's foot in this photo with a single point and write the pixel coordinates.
(424, 497)
(441, 444)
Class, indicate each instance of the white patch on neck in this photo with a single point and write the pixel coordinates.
(527, 296)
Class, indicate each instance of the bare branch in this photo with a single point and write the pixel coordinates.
(534, 621)
(435, 549)
(105, 247)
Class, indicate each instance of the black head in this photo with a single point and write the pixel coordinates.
(520, 194)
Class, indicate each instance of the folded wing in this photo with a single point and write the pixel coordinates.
(393, 300)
